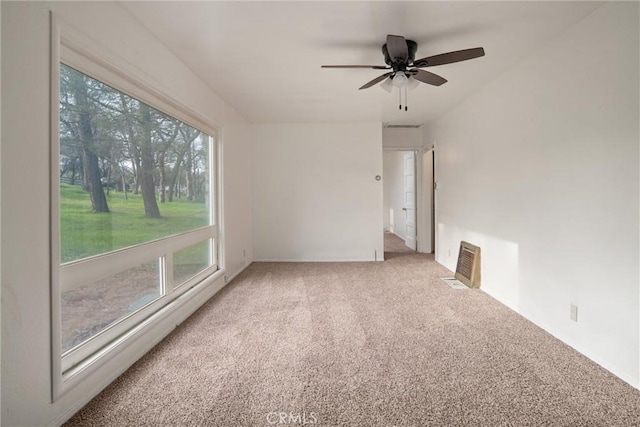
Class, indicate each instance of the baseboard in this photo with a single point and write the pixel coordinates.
(608, 366)
(237, 273)
(615, 370)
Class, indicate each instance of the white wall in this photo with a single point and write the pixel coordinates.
(315, 194)
(26, 372)
(394, 217)
(402, 138)
(540, 168)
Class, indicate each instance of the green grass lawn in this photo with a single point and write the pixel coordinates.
(85, 233)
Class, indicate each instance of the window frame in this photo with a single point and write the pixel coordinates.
(71, 367)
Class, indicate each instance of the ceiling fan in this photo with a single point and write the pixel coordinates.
(399, 55)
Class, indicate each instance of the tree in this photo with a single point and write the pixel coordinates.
(109, 137)
(188, 135)
(167, 133)
(151, 209)
(78, 88)
(127, 126)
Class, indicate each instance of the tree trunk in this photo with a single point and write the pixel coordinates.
(137, 171)
(134, 154)
(108, 179)
(172, 187)
(90, 159)
(175, 179)
(189, 170)
(85, 173)
(73, 175)
(179, 190)
(98, 199)
(163, 178)
(146, 156)
(172, 182)
(124, 183)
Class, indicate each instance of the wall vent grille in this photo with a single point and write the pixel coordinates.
(468, 268)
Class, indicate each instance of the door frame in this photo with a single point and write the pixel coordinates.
(421, 222)
(427, 222)
(418, 151)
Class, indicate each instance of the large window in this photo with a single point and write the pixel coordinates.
(136, 212)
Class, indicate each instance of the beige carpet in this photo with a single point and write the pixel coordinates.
(394, 245)
(360, 344)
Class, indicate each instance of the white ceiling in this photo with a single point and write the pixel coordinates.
(264, 58)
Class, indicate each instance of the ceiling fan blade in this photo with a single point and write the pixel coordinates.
(376, 80)
(449, 57)
(427, 77)
(397, 48)
(374, 67)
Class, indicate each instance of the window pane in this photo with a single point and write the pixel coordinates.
(128, 172)
(190, 261)
(88, 310)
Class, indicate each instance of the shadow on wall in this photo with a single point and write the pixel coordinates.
(499, 263)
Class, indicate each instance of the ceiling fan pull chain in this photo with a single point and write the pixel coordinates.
(400, 98)
(406, 98)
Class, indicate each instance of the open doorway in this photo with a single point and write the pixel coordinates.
(399, 201)
(409, 201)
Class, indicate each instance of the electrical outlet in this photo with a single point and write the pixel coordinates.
(573, 313)
(244, 253)
(449, 253)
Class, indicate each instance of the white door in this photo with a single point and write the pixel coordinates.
(410, 199)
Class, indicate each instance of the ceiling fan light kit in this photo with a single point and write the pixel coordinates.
(399, 55)
(400, 80)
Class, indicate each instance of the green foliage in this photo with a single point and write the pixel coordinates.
(108, 137)
(85, 233)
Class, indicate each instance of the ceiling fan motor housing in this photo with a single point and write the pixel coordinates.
(412, 48)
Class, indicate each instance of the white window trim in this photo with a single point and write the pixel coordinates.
(76, 50)
(76, 274)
